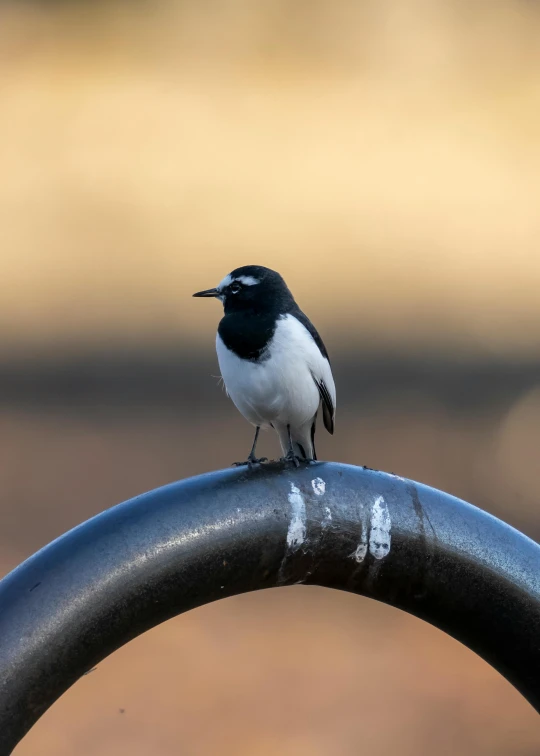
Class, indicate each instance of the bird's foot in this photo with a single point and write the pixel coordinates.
(250, 462)
(291, 457)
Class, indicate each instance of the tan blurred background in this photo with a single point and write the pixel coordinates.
(384, 155)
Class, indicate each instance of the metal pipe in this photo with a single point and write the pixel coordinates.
(228, 532)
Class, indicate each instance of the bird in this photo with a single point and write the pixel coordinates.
(273, 362)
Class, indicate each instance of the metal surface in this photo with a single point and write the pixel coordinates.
(238, 530)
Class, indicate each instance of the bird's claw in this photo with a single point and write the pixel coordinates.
(291, 457)
(250, 462)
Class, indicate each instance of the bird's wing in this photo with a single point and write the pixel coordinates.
(321, 371)
(329, 409)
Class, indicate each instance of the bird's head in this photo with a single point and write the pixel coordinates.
(252, 288)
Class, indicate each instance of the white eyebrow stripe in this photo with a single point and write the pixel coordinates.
(247, 280)
(226, 281)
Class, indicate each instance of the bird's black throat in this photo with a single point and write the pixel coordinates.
(248, 334)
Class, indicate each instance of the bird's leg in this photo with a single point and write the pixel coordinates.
(291, 456)
(252, 459)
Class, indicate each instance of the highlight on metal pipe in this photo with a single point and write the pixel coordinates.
(228, 532)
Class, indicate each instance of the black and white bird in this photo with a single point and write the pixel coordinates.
(273, 362)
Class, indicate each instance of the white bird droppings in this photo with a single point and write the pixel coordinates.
(296, 535)
(327, 517)
(379, 533)
(379, 537)
(319, 486)
(361, 549)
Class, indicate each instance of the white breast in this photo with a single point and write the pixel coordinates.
(280, 390)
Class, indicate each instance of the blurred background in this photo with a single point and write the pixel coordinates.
(384, 156)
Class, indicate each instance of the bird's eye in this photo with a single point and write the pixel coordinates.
(235, 288)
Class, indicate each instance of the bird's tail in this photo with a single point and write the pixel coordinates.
(303, 441)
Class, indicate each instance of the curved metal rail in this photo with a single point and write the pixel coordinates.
(228, 532)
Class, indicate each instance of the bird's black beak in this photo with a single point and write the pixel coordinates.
(207, 293)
